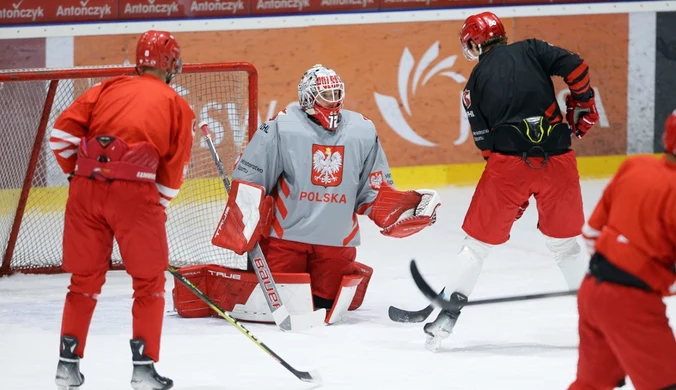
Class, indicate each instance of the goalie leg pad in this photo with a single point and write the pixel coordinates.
(365, 272)
(238, 292)
(346, 293)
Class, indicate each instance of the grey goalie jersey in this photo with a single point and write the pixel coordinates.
(320, 179)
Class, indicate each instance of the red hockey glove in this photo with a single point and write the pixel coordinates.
(247, 217)
(522, 209)
(403, 213)
(581, 116)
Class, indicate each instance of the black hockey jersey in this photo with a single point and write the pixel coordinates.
(510, 99)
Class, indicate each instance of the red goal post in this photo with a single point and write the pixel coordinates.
(33, 189)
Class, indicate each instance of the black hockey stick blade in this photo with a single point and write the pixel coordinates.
(438, 301)
(409, 316)
(305, 376)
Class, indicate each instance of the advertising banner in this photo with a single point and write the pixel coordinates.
(406, 77)
(27, 12)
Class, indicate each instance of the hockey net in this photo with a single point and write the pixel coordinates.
(33, 189)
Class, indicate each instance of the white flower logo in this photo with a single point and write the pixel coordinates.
(389, 107)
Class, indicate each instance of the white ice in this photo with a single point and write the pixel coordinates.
(527, 345)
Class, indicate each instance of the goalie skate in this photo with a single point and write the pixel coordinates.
(68, 375)
(144, 376)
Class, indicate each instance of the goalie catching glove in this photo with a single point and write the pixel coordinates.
(247, 217)
(403, 213)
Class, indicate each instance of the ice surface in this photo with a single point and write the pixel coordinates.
(528, 345)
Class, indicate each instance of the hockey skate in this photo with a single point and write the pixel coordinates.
(144, 376)
(68, 375)
(442, 327)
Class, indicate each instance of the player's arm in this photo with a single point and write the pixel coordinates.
(398, 213)
(581, 113)
(249, 211)
(599, 217)
(70, 127)
(174, 165)
(481, 132)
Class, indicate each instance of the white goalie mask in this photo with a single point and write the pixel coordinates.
(321, 93)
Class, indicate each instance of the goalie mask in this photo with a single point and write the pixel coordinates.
(320, 94)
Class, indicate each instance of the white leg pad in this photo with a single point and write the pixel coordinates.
(348, 288)
(567, 255)
(467, 266)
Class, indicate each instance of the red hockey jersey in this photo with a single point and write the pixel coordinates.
(134, 109)
(635, 221)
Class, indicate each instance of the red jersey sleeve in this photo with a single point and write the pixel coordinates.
(599, 218)
(174, 165)
(71, 126)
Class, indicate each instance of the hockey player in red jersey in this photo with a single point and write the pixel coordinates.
(624, 330)
(300, 184)
(516, 122)
(125, 144)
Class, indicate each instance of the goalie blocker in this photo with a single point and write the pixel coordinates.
(238, 292)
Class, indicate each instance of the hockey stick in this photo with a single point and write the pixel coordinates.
(311, 376)
(440, 302)
(409, 316)
(280, 314)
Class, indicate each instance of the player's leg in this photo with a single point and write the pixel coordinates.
(327, 266)
(138, 220)
(502, 189)
(559, 203)
(87, 246)
(285, 256)
(638, 330)
(597, 368)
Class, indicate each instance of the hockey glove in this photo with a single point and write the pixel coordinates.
(247, 217)
(522, 209)
(581, 116)
(403, 213)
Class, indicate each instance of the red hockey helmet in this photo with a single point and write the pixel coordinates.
(479, 28)
(669, 135)
(159, 50)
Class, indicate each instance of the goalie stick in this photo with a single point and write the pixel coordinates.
(306, 376)
(440, 302)
(284, 320)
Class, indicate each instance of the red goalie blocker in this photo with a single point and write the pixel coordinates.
(238, 292)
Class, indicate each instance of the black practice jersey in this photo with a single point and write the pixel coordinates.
(512, 83)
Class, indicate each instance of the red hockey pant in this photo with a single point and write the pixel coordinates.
(623, 331)
(326, 264)
(131, 212)
(507, 182)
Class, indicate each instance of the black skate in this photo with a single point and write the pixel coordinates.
(68, 375)
(144, 376)
(442, 327)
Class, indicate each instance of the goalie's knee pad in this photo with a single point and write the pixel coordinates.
(467, 266)
(365, 272)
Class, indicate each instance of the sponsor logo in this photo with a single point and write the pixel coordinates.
(390, 108)
(327, 165)
(466, 99)
(225, 275)
(151, 8)
(215, 6)
(16, 12)
(339, 3)
(267, 282)
(282, 4)
(322, 198)
(249, 165)
(145, 175)
(84, 10)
